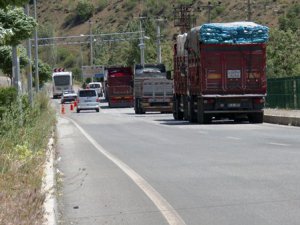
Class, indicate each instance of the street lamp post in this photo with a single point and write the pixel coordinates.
(29, 66)
(142, 44)
(36, 51)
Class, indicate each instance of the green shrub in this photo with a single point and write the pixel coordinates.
(84, 10)
(7, 97)
(129, 4)
(101, 4)
(22, 154)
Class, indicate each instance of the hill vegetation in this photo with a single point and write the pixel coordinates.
(67, 17)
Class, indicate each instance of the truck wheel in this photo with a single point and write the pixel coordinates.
(256, 117)
(191, 110)
(200, 113)
(185, 108)
(137, 107)
(97, 110)
(177, 114)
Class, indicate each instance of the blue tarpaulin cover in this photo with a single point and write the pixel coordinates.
(231, 33)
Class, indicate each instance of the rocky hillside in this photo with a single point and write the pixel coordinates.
(71, 17)
(115, 15)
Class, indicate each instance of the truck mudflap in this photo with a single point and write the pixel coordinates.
(120, 101)
(157, 105)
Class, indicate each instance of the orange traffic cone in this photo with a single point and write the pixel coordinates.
(63, 109)
(71, 106)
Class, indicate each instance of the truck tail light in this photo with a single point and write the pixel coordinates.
(97, 100)
(259, 100)
(208, 101)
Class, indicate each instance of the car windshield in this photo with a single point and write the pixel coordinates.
(87, 93)
(94, 85)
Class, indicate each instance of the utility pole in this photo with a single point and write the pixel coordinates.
(249, 14)
(183, 17)
(209, 7)
(29, 66)
(16, 69)
(91, 44)
(37, 82)
(158, 41)
(142, 44)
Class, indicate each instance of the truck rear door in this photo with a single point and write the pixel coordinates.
(234, 69)
(158, 89)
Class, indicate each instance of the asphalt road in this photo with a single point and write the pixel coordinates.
(121, 168)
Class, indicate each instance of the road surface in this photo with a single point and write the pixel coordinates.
(121, 168)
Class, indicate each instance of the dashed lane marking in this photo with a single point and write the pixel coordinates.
(279, 144)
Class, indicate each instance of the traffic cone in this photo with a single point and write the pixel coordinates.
(71, 106)
(75, 103)
(63, 109)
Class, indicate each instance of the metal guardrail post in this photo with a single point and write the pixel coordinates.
(295, 93)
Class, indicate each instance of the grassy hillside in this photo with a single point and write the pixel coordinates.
(114, 15)
(67, 17)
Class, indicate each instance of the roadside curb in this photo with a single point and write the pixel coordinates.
(283, 120)
(48, 186)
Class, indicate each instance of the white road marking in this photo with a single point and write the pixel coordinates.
(233, 138)
(279, 144)
(161, 203)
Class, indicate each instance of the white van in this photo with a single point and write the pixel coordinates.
(97, 86)
(87, 99)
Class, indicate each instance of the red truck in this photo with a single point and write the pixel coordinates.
(218, 80)
(119, 86)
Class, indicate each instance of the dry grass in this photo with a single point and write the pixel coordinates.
(22, 156)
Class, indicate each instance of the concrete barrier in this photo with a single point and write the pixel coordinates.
(283, 120)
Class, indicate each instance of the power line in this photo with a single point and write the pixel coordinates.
(86, 39)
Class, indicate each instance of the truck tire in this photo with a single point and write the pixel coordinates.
(256, 117)
(201, 117)
(137, 107)
(185, 108)
(177, 114)
(192, 117)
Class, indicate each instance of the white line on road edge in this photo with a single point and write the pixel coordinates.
(48, 187)
(164, 207)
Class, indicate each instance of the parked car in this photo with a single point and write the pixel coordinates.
(87, 99)
(68, 96)
(97, 86)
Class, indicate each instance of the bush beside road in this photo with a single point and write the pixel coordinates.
(23, 141)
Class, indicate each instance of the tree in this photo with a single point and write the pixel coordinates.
(283, 54)
(17, 25)
(5, 3)
(6, 59)
(291, 20)
(45, 72)
(84, 10)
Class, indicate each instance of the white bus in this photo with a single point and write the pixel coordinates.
(61, 81)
